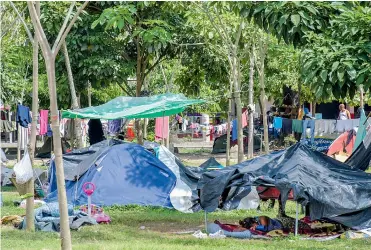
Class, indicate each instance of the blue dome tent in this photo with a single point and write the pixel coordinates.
(123, 173)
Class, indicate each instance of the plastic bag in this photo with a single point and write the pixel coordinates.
(23, 169)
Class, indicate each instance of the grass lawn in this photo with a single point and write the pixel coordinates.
(162, 231)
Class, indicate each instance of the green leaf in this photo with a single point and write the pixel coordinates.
(335, 65)
(352, 73)
(283, 19)
(295, 19)
(120, 24)
(360, 79)
(319, 92)
(323, 75)
(340, 74)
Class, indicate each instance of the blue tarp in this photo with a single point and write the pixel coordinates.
(123, 174)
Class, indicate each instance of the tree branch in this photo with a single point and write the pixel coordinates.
(238, 36)
(123, 89)
(55, 51)
(39, 30)
(23, 21)
(159, 60)
(66, 19)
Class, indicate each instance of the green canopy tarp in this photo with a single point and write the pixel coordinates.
(135, 107)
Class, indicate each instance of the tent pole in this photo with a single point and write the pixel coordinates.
(205, 221)
(297, 219)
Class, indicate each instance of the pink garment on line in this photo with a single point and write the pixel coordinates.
(244, 119)
(161, 127)
(44, 118)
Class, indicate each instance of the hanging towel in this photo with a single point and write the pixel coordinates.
(277, 122)
(44, 114)
(162, 127)
(234, 130)
(297, 126)
(23, 116)
(244, 119)
(286, 126)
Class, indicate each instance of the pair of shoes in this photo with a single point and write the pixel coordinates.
(217, 235)
(200, 235)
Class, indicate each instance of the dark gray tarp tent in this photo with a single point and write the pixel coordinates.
(361, 157)
(333, 190)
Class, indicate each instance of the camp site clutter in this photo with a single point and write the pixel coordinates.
(335, 193)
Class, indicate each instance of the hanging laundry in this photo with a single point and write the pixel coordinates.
(344, 125)
(319, 127)
(297, 126)
(244, 119)
(308, 124)
(49, 133)
(355, 122)
(162, 127)
(234, 130)
(6, 126)
(286, 126)
(277, 122)
(114, 126)
(44, 118)
(184, 125)
(329, 126)
(23, 116)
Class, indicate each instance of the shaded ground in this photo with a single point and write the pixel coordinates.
(135, 227)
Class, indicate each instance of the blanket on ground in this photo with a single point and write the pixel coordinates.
(47, 218)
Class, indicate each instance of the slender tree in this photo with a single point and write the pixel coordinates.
(49, 54)
(30, 225)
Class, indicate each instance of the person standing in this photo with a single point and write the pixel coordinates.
(344, 114)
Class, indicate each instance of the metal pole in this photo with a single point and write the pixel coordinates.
(205, 221)
(297, 219)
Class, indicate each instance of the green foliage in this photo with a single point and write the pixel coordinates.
(337, 61)
(291, 21)
(15, 57)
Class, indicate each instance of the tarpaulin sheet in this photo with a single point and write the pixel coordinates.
(135, 107)
(361, 157)
(332, 189)
(123, 174)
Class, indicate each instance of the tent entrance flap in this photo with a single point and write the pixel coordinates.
(135, 107)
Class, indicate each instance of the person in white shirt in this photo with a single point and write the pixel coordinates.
(343, 114)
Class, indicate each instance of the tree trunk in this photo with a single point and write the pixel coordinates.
(74, 100)
(314, 108)
(237, 97)
(263, 98)
(228, 149)
(145, 126)
(250, 150)
(30, 225)
(361, 100)
(89, 93)
(62, 197)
